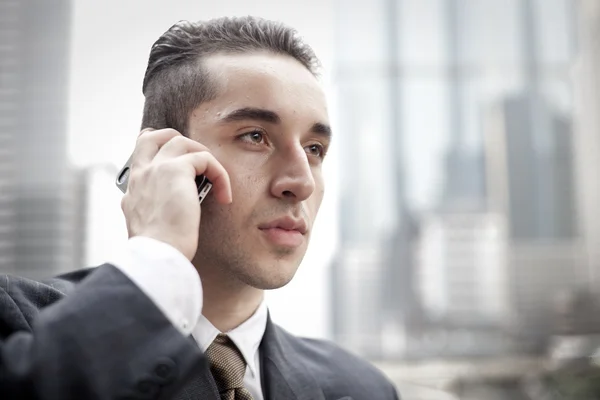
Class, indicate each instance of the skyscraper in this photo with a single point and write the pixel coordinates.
(530, 171)
(372, 270)
(462, 259)
(586, 76)
(38, 197)
(538, 185)
(464, 183)
(414, 80)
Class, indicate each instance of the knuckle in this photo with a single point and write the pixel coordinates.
(202, 157)
(178, 141)
(165, 168)
(134, 174)
(171, 132)
(146, 137)
(137, 175)
(124, 202)
(167, 135)
(156, 136)
(153, 172)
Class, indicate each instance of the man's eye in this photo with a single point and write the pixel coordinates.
(316, 150)
(254, 137)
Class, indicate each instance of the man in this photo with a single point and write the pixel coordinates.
(181, 313)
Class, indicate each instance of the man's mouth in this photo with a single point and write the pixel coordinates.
(286, 231)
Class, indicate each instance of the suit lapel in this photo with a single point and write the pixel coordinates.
(284, 376)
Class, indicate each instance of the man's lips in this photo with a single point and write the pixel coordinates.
(283, 237)
(287, 231)
(287, 224)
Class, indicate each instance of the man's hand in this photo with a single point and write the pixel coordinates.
(161, 201)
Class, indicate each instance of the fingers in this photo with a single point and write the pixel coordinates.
(206, 164)
(161, 201)
(164, 143)
(145, 130)
(177, 146)
(169, 147)
(149, 143)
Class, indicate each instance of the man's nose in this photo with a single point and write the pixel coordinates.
(294, 178)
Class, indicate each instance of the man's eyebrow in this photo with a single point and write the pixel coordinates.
(321, 129)
(249, 113)
(260, 114)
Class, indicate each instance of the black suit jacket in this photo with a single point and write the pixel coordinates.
(92, 334)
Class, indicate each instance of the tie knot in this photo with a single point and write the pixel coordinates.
(226, 363)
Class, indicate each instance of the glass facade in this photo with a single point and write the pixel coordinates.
(451, 107)
(37, 204)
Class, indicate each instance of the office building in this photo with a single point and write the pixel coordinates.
(415, 80)
(38, 199)
(586, 77)
(462, 268)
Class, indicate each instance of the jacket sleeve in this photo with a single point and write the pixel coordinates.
(105, 340)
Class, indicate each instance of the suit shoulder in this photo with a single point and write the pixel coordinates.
(337, 367)
(328, 353)
(21, 299)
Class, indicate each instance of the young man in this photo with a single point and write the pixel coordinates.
(181, 314)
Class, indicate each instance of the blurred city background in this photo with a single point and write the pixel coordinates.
(458, 246)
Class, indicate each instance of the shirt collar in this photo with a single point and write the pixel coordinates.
(246, 337)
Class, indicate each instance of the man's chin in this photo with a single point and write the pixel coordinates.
(268, 283)
(270, 278)
(277, 285)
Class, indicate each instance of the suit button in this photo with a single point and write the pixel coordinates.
(162, 371)
(165, 370)
(147, 388)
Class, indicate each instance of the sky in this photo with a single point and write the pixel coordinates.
(111, 41)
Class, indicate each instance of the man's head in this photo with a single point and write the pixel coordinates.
(176, 80)
(246, 89)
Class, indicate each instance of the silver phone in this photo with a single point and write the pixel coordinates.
(203, 184)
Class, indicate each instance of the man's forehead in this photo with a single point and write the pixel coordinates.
(245, 71)
(259, 60)
(265, 81)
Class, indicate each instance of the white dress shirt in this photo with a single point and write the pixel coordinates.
(170, 280)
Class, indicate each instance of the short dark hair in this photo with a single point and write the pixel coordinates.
(176, 82)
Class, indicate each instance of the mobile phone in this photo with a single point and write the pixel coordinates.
(203, 184)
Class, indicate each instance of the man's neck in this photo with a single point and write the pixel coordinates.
(228, 303)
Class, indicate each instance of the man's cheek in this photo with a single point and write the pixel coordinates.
(320, 193)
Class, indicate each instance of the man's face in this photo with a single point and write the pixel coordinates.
(269, 128)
